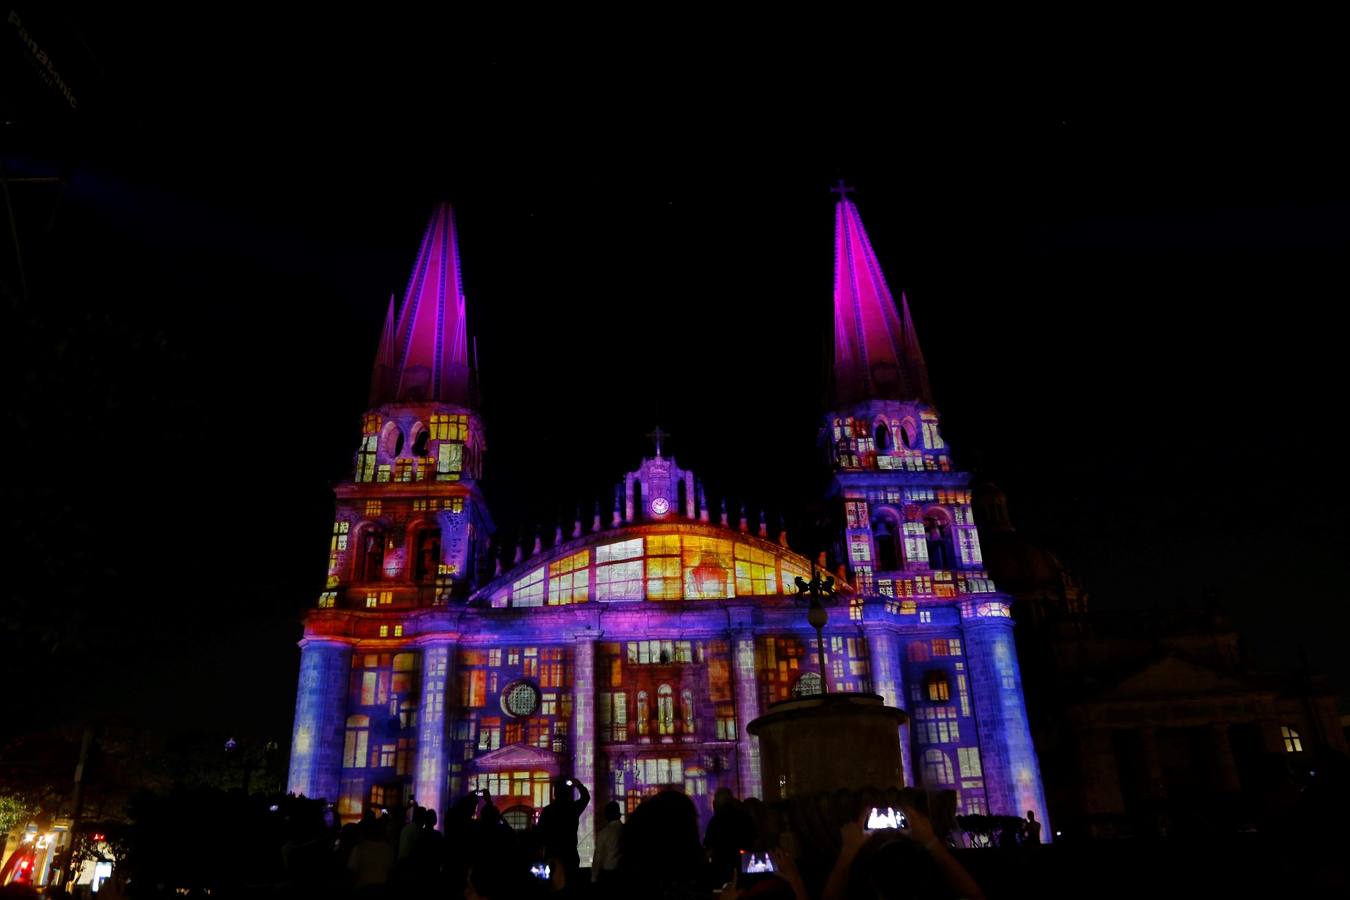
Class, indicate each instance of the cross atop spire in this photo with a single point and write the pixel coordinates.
(842, 189)
(657, 435)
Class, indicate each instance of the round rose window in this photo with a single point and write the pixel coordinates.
(521, 698)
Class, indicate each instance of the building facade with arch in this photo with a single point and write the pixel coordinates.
(632, 652)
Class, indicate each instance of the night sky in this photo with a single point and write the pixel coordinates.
(1126, 270)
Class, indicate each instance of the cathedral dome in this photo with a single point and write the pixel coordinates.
(1017, 565)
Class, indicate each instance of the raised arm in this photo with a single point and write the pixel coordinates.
(958, 879)
(851, 838)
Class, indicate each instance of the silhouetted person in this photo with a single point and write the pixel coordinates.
(307, 854)
(897, 864)
(660, 851)
(558, 824)
(730, 830)
(459, 828)
(606, 861)
(372, 857)
(492, 837)
(408, 835)
(427, 850)
(1031, 832)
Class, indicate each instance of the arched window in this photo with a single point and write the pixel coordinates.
(520, 818)
(637, 499)
(421, 438)
(937, 768)
(358, 742)
(665, 709)
(937, 687)
(681, 497)
(882, 436)
(642, 714)
(369, 555)
(905, 434)
(886, 532)
(687, 702)
(937, 527)
(427, 554)
(808, 684)
(391, 441)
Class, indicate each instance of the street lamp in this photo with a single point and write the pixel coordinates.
(817, 615)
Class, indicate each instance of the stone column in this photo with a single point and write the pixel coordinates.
(747, 709)
(320, 718)
(1012, 774)
(1099, 775)
(583, 736)
(1225, 768)
(429, 785)
(1152, 760)
(888, 681)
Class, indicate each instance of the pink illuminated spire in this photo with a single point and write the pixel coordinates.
(876, 353)
(384, 380)
(426, 350)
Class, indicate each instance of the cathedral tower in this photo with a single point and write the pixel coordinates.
(409, 536)
(939, 633)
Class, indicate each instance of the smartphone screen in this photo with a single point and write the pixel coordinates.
(885, 817)
(755, 863)
(540, 871)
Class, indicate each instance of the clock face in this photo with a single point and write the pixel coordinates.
(660, 506)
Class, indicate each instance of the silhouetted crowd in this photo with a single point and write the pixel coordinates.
(818, 848)
(838, 846)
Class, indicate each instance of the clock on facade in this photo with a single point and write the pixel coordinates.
(660, 506)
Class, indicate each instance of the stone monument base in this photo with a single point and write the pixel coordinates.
(829, 741)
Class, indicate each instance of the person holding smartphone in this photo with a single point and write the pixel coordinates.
(890, 858)
(752, 878)
(558, 824)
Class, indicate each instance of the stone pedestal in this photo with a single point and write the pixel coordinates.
(829, 741)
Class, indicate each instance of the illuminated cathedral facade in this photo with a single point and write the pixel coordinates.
(632, 652)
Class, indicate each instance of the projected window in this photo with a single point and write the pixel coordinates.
(937, 768)
(663, 567)
(708, 573)
(756, 574)
(357, 740)
(365, 458)
(619, 571)
(446, 427)
(807, 685)
(856, 513)
(449, 462)
(612, 715)
(569, 579)
(1292, 742)
(521, 698)
(938, 687)
(969, 760)
(529, 591)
